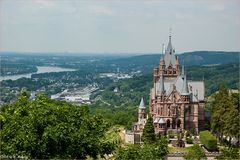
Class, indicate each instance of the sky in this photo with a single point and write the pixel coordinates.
(126, 26)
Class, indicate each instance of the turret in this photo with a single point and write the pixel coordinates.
(161, 89)
(141, 110)
(185, 86)
(162, 66)
(183, 70)
(185, 93)
(177, 65)
(171, 62)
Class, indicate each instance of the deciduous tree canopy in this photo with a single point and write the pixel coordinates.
(44, 128)
(225, 114)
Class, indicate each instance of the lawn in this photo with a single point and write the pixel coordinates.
(178, 149)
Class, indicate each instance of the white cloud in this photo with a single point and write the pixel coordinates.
(102, 10)
(45, 3)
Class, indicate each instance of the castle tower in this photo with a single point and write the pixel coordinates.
(172, 64)
(141, 111)
(175, 103)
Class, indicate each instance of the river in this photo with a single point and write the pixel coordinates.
(42, 69)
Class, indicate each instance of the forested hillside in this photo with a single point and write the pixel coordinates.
(121, 107)
(132, 90)
(145, 63)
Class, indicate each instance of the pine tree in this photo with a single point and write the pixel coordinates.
(232, 117)
(225, 114)
(149, 136)
(219, 114)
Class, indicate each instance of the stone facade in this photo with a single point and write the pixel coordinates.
(175, 102)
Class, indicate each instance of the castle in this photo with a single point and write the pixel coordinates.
(175, 102)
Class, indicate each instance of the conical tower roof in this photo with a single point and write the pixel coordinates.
(169, 46)
(183, 70)
(161, 84)
(142, 105)
(169, 56)
(185, 86)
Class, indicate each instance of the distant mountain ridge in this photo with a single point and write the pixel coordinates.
(146, 63)
(189, 58)
(209, 57)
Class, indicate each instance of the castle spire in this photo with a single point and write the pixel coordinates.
(185, 86)
(163, 47)
(161, 85)
(169, 47)
(183, 69)
(142, 105)
(170, 33)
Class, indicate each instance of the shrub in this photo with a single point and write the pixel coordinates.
(195, 153)
(188, 133)
(229, 153)
(208, 140)
(193, 131)
(189, 140)
(170, 134)
(157, 150)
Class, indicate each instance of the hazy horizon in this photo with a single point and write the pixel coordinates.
(118, 27)
(99, 54)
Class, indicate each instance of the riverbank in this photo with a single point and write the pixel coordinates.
(40, 69)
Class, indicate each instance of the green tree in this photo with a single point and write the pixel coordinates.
(229, 154)
(225, 114)
(232, 124)
(221, 105)
(130, 152)
(195, 153)
(149, 136)
(154, 151)
(45, 128)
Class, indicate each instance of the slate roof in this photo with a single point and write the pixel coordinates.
(161, 86)
(169, 56)
(195, 88)
(142, 105)
(161, 121)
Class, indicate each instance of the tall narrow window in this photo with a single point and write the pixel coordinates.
(179, 123)
(168, 123)
(173, 124)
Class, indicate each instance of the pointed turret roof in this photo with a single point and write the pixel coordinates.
(185, 86)
(161, 121)
(142, 105)
(161, 84)
(183, 70)
(169, 55)
(169, 46)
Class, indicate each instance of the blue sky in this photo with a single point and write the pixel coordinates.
(128, 26)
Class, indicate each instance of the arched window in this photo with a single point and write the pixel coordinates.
(161, 111)
(173, 124)
(168, 123)
(179, 123)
